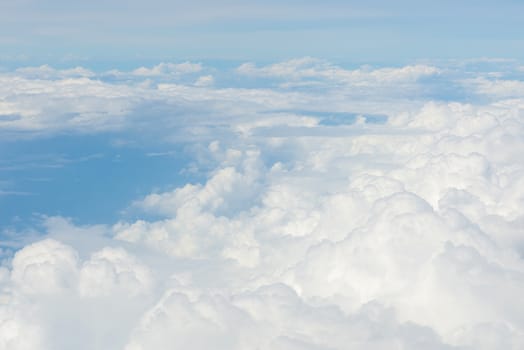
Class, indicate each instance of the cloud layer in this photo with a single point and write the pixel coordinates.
(401, 233)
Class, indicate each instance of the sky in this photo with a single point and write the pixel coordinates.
(275, 175)
(375, 31)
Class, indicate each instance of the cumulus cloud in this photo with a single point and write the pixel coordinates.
(48, 72)
(51, 267)
(498, 88)
(401, 234)
(45, 267)
(272, 317)
(309, 68)
(205, 80)
(169, 69)
(68, 103)
(113, 270)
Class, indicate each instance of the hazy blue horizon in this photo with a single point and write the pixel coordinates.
(340, 31)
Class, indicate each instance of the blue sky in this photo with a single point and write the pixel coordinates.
(343, 31)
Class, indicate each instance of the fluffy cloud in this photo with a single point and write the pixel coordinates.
(113, 271)
(402, 234)
(497, 87)
(272, 317)
(48, 72)
(169, 69)
(205, 80)
(51, 267)
(43, 99)
(65, 104)
(51, 299)
(317, 70)
(45, 267)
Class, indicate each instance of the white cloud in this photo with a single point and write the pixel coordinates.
(272, 317)
(163, 69)
(45, 267)
(63, 104)
(498, 88)
(315, 69)
(113, 271)
(38, 100)
(18, 331)
(402, 218)
(205, 80)
(404, 234)
(48, 72)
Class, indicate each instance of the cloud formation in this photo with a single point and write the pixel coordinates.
(405, 233)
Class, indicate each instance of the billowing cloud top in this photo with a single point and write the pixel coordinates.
(329, 208)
